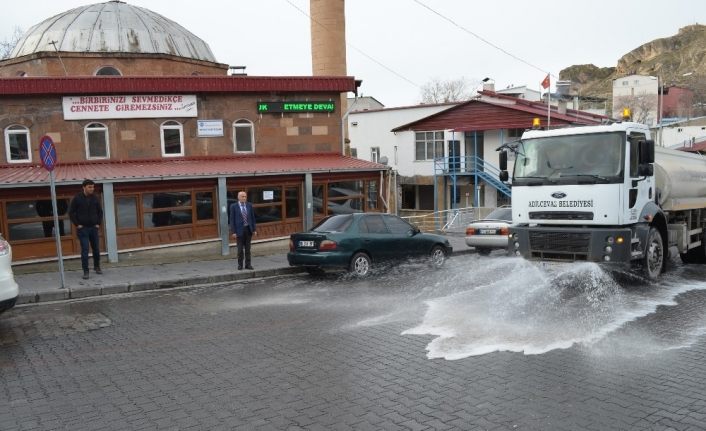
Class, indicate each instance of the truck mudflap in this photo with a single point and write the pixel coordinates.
(571, 244)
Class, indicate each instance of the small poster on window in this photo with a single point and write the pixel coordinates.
(268, 195)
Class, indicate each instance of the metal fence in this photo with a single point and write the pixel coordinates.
(449, 221)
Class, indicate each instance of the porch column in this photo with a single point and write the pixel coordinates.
(110, 228)
(308, 203)
(223, 228)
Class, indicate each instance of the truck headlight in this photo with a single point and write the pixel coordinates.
(610, 240)
(608, 249)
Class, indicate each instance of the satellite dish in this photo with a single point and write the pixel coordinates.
(383, 160)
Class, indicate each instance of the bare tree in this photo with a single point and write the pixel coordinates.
(7, 45)
(452, 90)
(643, 107)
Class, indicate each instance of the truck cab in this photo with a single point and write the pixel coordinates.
(585, 194)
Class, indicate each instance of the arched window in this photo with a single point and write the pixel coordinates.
(97, 147)
(17, 146)
(172, 134)
(21, 74)
(108, 71)
(243, 136)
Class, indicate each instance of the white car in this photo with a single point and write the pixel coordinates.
(491, 232)
(8, 288)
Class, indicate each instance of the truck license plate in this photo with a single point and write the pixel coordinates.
(487, 231)
(306, 243)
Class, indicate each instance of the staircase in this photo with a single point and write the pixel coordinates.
(471, 165)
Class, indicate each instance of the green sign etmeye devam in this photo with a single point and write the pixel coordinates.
(295, 107)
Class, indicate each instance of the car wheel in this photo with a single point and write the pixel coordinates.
(360, 265)
(437, 256)
(483, 251)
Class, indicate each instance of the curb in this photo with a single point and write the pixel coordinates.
(92, 291)
(34, 297)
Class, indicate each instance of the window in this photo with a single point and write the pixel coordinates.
(243, 136)
(515, 133)
(375, 154)
(166, 209)
(17, 144)
(354, 152)
(108, 71)
(126, 212)
(172, 139)
(397, 226)
(373, 224)
(35, 219)
(96, 135)
(429, 145)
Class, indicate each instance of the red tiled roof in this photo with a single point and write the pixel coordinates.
(28, 86)
(483, 114)
(183, 168)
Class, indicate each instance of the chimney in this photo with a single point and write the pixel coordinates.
(561, 107)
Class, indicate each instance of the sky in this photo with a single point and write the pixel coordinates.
(397, 46)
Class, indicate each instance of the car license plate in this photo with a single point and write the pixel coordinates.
(306, 243)
(487, 231)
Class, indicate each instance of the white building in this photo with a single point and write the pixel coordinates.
(640, 94)
(445, 155)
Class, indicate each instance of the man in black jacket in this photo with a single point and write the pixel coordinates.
(87, 214)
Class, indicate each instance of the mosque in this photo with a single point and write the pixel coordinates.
(140, 105)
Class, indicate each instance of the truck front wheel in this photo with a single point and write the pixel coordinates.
(653, 261)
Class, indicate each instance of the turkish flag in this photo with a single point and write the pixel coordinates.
(545, 83)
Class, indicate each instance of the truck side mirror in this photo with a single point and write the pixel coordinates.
(645, 170)
(646, 150)
(503, 160)
(504, 176)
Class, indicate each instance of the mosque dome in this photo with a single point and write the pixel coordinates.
(112, 27)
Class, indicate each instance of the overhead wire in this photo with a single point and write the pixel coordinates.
(482, 39)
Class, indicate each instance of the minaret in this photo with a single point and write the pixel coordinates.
(328, 37)
(328, 46)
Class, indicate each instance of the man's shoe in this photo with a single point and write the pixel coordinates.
(98, 271)
(249, 267)
(240, 267)
(85, 275)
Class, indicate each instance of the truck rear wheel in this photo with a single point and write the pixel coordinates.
(653, 261)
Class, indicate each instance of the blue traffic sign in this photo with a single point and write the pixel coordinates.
(47, 153)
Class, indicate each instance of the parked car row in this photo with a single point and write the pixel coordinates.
(8, 287)
(357, 242)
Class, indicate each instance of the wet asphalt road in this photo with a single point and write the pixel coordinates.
(486, 343)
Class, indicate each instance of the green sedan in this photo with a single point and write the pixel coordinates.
(355, 242)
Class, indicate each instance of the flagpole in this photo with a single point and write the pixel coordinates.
(549, 101)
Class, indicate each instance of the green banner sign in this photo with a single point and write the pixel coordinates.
(295, 107)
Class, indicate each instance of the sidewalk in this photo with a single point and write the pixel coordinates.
(153, 270)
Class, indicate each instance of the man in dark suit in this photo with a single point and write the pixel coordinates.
(242, 224)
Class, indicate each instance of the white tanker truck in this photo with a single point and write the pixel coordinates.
(605, 194)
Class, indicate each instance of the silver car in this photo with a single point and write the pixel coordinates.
(8, 287)
(491, 232)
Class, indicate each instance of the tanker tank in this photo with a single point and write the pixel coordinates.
(680, 179)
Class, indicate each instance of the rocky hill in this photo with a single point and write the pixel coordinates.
(677, 60)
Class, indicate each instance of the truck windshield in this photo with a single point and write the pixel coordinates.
(576, 159)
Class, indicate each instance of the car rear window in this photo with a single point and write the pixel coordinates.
(337, 223)
(501, 214)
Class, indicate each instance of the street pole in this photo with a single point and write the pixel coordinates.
(57, 231)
